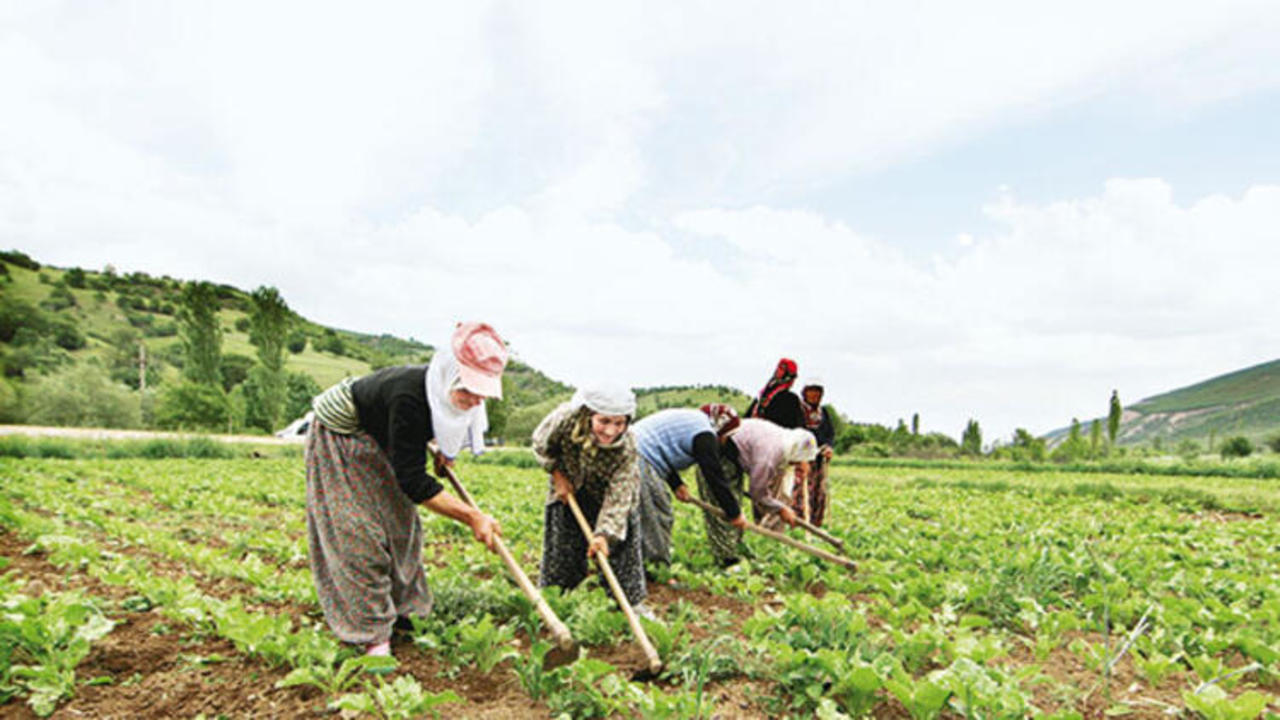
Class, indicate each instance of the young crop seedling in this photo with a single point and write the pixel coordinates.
(402, 699)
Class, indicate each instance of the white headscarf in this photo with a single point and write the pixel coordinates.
(453, 428)
(799, 445)
(606, 400)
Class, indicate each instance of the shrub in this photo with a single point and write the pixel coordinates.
(1274, 443)
(188, 405)
(160, 448)
(300, 388)
(60, 298)
(235, 369)
(66, 335)
(32, 351)
(332, 344)
(82, 396)
(10, 402)
(21, 259)
(139, 319)
(1238, 446)
(16, 315)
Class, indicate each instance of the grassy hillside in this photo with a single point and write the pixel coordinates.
(650, 400)
(1245, 402)
(106, 315)
(99, 314)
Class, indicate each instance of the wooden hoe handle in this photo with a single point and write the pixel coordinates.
(782, 538)
(558, 629)
(819, 532)
(655, 662)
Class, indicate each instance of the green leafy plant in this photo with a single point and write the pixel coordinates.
(536, 681)
(923, 698)
(1213, 703)
(332, 679)
(486, 644)
(1155, 666)
(401, 699)
(45, 638)
(591, 688)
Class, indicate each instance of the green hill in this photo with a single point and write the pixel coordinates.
(55, 319)
(1245, 402)
(650, 400)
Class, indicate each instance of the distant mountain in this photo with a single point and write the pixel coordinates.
(1245, 402)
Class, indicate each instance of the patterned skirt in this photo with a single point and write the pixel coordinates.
(564, 549)
(364, 535)
(724, 539)
(656, 515)
(817, 489)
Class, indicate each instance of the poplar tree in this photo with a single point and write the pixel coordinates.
(1113, 417)
(201, 333)
(269, 325)
(971, 440)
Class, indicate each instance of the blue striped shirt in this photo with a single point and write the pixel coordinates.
(665, 438)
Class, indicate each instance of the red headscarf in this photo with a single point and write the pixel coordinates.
(783, 376)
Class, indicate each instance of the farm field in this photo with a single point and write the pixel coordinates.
(180, 588)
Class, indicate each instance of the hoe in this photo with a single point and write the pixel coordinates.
(566, 649)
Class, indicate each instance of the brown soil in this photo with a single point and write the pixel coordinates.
(159, 671)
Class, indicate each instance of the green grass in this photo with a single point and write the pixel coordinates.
(198, 447)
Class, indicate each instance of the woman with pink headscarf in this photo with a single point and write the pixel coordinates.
(366, 459)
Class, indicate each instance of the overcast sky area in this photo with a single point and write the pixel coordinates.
(986, 210)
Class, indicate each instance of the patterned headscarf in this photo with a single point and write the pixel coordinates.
(723, 418)
(783, 376)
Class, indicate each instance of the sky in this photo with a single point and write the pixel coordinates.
(990, 210)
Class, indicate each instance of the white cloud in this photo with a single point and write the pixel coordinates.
(621, 188)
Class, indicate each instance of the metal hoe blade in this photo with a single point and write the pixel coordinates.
(558, 656)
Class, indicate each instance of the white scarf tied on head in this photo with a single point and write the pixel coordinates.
(800, 446)
(606, 400)
(454, 428)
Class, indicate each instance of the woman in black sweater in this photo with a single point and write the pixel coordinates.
(366, 461)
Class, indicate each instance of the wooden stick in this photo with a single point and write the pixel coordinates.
(782, 538)
(804, 497)
(655, 662)
(558, 629)
(819, 532)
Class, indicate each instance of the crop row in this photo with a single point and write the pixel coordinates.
(990, 597)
